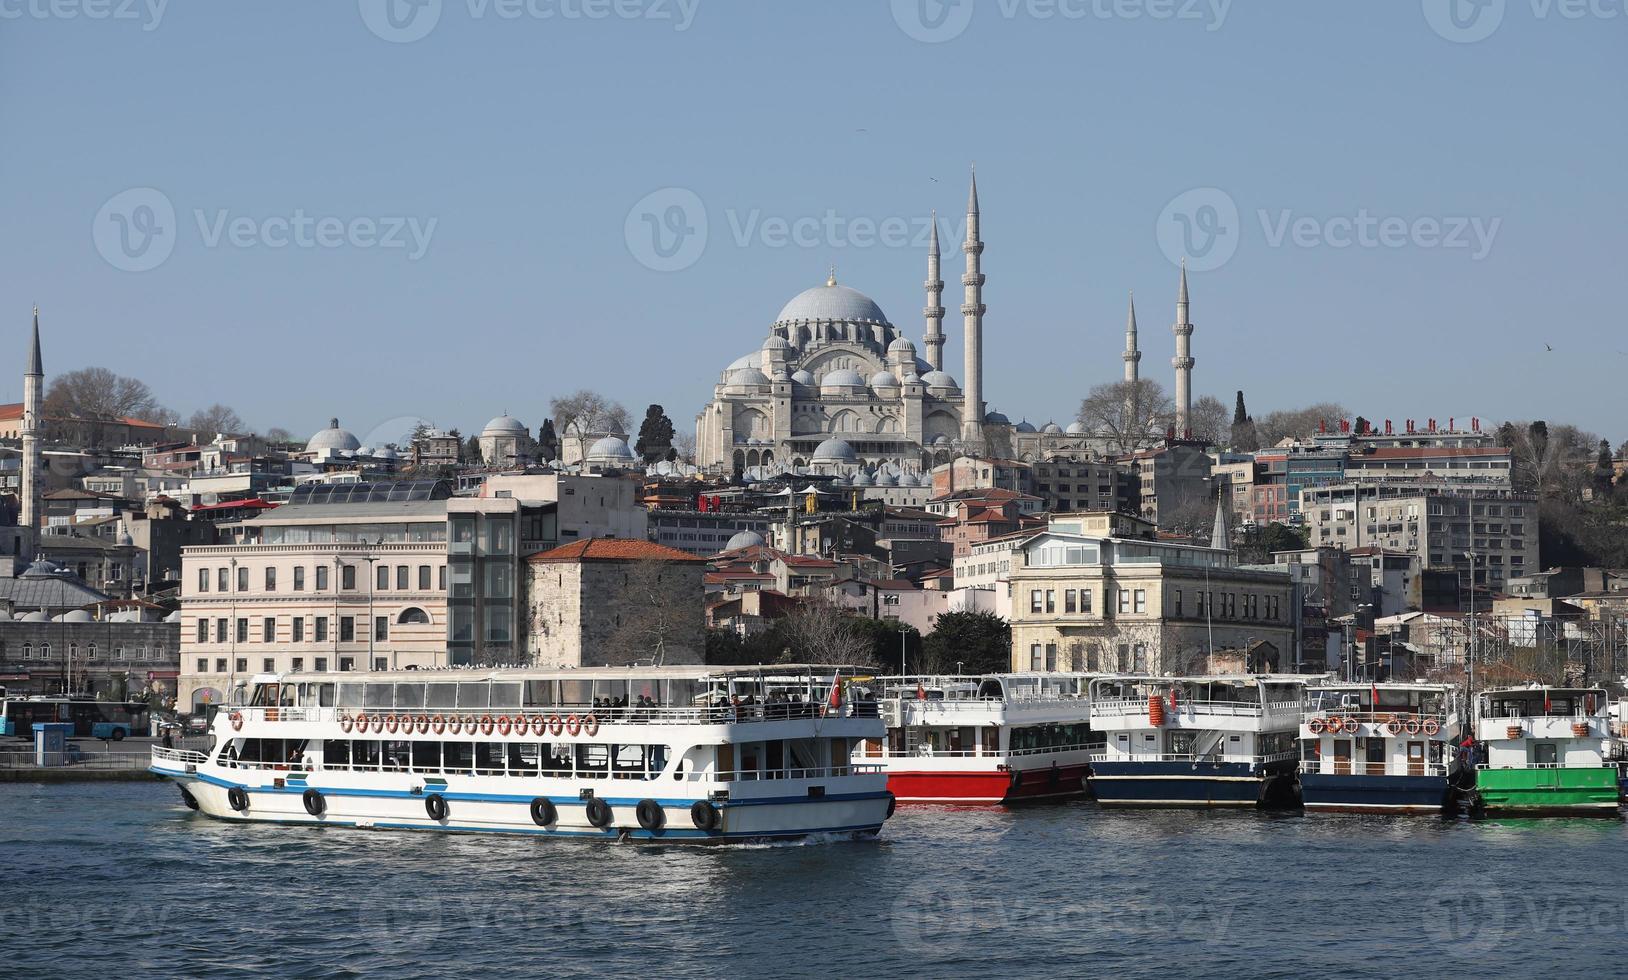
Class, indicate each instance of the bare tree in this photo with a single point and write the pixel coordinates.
(214, 420)
(1298, 423)
(657, 610)
(822, 633)
(585, 413)
(1210, 421)
(97, 393)
(684, 443)
(1128, 415)
(277, 434)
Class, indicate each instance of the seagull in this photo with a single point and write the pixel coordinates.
(933, 179)
(1547, 347)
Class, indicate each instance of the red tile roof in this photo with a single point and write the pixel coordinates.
(614, 549)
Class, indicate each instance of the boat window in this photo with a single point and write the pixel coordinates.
(409, 695)
(336, 753)
(458, 757)
(379, 696)
(364, 753)
(325, 694)
(592, 761)
(523, 758)
(627, 761)
(1181, 743)
(441, 695)
(540, 694)
(489, 758)
(350, 694)
(265, 695)
(427, 757)
(576, 692)
(1543, 753)
(397, 755)
(506, 694)
(474, 694)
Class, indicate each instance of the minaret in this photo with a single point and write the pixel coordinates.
(33, 381)
(1132, 356)
(933, 339)
(972, 313)
(1183, 361)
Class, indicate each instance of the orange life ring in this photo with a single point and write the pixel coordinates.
(1316, 726)
(1333, 724)
(455, 725)
(573, 724)
(555, 725)
(590, 726)
(390, 723)
(1394, 727)
(1349, 725)
(346, 722)
(362, 722)
(1412, 726)
(422, 723)
(236, 719)
(1432, 727)
(504, 725)
(486, 724)
(438, 724)
(539, 724)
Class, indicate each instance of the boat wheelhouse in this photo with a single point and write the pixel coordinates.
(688, 754)
(1381, 748)
(1195, 741)
(1546, 751)
(999, 738)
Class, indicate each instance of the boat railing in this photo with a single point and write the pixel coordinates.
(178, 756)
(1196, 757)
(926, 752)
(1553, 765)
(814, 772)
(440, 720)
(1339, 768)
(1239, 709)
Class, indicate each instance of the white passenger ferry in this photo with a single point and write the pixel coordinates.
(1382, 748)
(1000, 738)
(1195, 741)
(689, 754)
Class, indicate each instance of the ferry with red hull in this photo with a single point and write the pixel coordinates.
(994, 739)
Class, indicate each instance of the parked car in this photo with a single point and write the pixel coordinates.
(197, 725)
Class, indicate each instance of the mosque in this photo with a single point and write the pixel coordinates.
(837, 389)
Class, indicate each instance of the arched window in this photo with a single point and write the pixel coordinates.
(413, 616)
(45, 651)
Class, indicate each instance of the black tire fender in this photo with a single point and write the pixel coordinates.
(599, 812)
(543, 812)
(651, 816)
(436, 806)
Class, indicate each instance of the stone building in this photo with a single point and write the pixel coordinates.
(112, 658)
(615, 602)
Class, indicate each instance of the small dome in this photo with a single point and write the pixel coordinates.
(1052, 428)
(333, 439)
(884, 379)
(834, 450)
(886, 479)
(386, 453)
(1024, 426)
(863, 479)
(996, 418)
(125, 540)
(902, 346)
(941, 440)
(910, 378)
(747, 376)
(845, 378)
(777, 342)
(38, 616)
(803, 378)
(504, 425)
(744, 361)
(1076, 429)
(76, 616)
(831, 302)
(938, 379)
(744, 539)
(43, 568)
(610, 448)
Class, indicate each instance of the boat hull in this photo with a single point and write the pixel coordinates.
(1330, 793)
(1549, 792)
(987, 787)
(1182, 784)
(858, 814)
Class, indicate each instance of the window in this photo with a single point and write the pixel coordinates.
(322, 630)
(271, 579)
(203, 662)
(203, 631)
(299, 629)
(322, 578)
(382, 579)
(347, 663)
(1071, 602)
(220, 631)
(1037, 657)
(321, 664)
(347, 629)
(223, 582)
(297, 664)
(441, 577)
(1036, 602)
(203, 580)
(1124, 600)
(1051, 600)
(242, 629)
(1051, 656)
(299, 579)
(381, 663)
(402, 582)
(381, 627)
(1176, 603)
(347, 576)
(243, 579)
(1085, 600)
(268, 630)
(413, 617)
(423, 578)
(268, 665)
(1141, 600)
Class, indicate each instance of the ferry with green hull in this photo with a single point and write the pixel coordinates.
(1547, 752)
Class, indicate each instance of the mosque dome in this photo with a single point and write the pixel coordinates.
(884, 379)
(831, 302)
(333, 439)
(744, 539)
(863, 479)
(1024, 426)
(504, 425)
(610, 449)
(803, 378)
(902, 346)
(996, 418)
(834, 450)
(939, 379)
(777, 342)
(886, 479)
(844, 378)
(1076, 429)
(76, 616)
(38, 616)
(747, 376)
(1052, 428)
(386, 453)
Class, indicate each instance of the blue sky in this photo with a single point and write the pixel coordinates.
(484, 247)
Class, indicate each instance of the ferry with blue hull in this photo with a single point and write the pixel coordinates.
(668, 754)
(1195, 741)
(1382, 748)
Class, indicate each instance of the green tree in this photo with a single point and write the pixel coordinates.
(471, 450)
(548, 442)
(1244, 438)
(981, 642)
(655, 435)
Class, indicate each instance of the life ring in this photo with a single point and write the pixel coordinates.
(346, 722)
(1349, 725)
(1393, 726)
(315, 805)
(599, 812)
(543, 811)
(422, 724)
(390, 723)
(1316, 726)
(555, 725)
(486, 724)
(1333, 724)
(1413, 726)
(704, 814)
(504, 725)
(237, 799)
(590, 726)
(236, 719)
(651, 816)
(539, 725)
(362, 721)
(1432, 727)
(438, 724)
(573, 724)
(455, 725)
